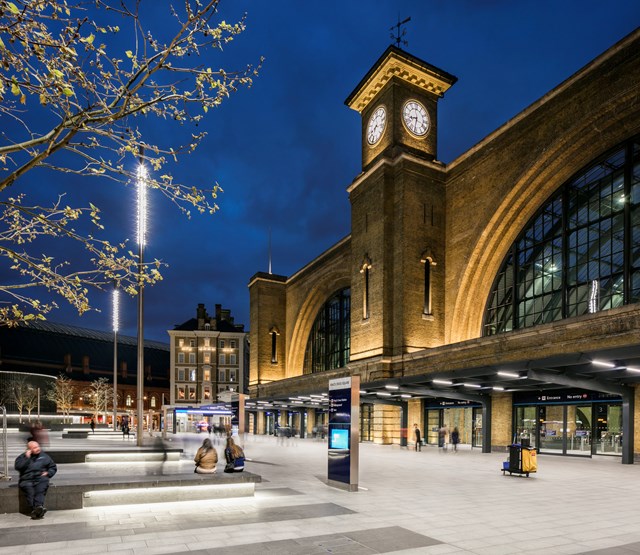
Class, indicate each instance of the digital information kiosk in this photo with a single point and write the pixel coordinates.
(344, 433)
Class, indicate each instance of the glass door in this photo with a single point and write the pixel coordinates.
(566, 429)
(268, 423)
(608, 429)
(434, 423)
(552, 437)
(366, 422)
(526, 429)
(579, 430)
(476, 437)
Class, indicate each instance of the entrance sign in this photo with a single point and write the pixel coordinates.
(344, 440)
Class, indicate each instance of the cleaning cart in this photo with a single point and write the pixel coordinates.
(522, 460)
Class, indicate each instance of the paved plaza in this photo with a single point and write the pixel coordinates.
(427, 502)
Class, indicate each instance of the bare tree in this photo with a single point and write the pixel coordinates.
(62, 394)
(75, 77)
(101, 394)
(22, 392)
(31, 400)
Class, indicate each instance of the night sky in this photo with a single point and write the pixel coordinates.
(285, 150)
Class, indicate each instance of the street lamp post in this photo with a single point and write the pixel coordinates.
(116, 324)
(142, 227)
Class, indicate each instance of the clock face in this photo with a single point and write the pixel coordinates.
(377, 123)
(416, 118)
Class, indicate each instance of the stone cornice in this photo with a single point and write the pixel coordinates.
(439, 166)
(397, 63)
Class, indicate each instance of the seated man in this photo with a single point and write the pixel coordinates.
(35, 468)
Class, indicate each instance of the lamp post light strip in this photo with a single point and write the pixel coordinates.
(142, 224)
(115, 297)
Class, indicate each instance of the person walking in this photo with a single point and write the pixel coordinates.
(234, 455)
(93, 426)
(36, 468)
(416, 432)
(206, 458)
(455, 438)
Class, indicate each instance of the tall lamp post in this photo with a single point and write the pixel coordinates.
(142, 227)
(115, 298)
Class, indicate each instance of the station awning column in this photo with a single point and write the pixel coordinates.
(486, 424)
(404, 423)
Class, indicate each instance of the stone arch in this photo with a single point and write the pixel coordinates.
(572, 150)
(315, 299)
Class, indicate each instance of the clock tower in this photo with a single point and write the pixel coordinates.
(398, 100)
(398, 212)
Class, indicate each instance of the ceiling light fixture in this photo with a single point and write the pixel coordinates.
(603, 363)
(443, 382)
(508, 374)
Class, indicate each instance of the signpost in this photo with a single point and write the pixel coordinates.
(344, 433)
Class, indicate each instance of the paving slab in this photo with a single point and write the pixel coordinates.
(409, 503)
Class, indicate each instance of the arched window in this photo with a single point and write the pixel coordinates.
(274, 332)
(364, 270)
(579, 254)
(329, 342)
(428, 261)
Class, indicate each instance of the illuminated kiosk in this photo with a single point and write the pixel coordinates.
(344, 440)
(196, 418)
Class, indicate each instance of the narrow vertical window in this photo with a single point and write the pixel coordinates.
(364, 270)
(428, 261)
(274, 345)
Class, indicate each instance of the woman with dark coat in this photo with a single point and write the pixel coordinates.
(234, 456)
(455, 438)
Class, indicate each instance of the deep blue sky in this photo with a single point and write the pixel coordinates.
(285, 150)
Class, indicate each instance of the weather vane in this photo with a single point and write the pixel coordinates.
(397, 32)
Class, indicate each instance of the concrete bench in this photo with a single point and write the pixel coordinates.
(65, 494)
(75, 434)
(115, 455)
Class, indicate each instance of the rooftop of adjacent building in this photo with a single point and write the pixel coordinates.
(222, 321)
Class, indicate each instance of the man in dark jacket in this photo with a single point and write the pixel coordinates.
(35, 468)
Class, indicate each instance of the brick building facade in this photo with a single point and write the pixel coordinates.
(427, 256)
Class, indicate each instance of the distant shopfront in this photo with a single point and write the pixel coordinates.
(450, 414)
(569, 422)
(198, 419)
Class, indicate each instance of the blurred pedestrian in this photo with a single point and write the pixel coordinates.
(36, 468)
(234, 455)
(443, 437)
(206, 458)
(416, 432)
(93, 426)
(455, 438)
(39, 434)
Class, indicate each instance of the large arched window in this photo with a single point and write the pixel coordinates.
(579, 254)
(330, 338)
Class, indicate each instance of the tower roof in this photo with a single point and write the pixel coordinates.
(395, 62)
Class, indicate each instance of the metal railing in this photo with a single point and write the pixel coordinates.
(5, 450)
